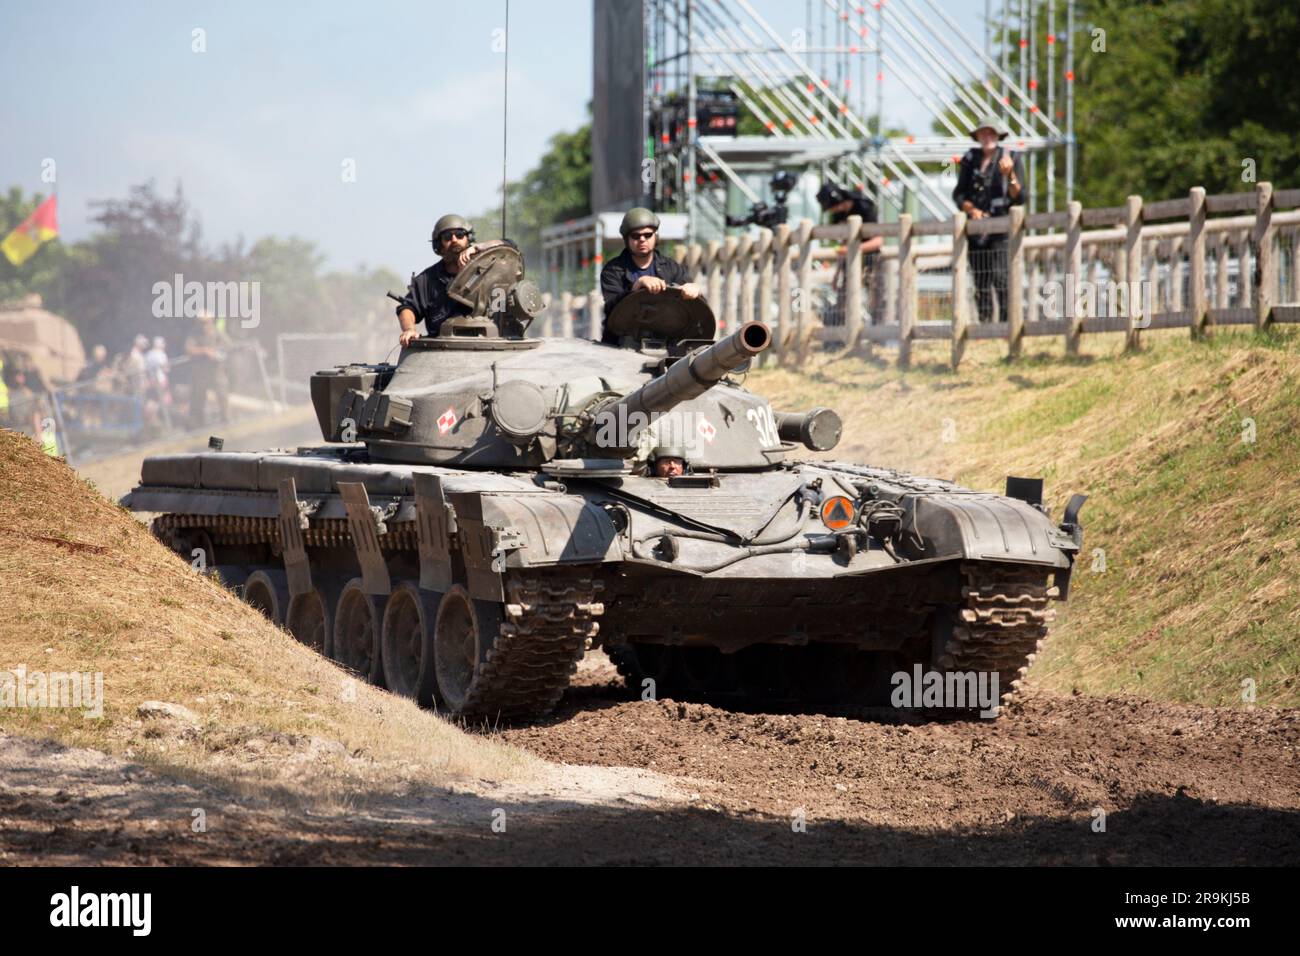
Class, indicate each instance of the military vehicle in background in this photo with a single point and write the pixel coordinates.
(485, 511)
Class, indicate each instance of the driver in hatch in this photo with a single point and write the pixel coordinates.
(667, 462)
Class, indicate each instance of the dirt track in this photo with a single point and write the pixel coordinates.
(1177, 784)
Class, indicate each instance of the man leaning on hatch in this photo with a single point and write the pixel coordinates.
(640, 266)
(426, 298)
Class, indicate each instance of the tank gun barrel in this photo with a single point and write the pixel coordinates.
(695, 374)
(687, 378)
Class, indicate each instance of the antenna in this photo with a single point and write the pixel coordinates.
(505, 109)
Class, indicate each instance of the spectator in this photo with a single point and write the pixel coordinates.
(97, 364)
(842, 203)
(28, 394)
(94, 380)
(206, 351)
(989, 183)
(156, 362)
(137, 367)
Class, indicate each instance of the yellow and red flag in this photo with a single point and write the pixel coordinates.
(41, 226)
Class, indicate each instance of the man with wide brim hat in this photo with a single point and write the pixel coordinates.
(991, 124)
(989, 182)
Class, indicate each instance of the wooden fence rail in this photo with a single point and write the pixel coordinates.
(1122, 269)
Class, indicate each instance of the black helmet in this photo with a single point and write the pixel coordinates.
(638, 217)
(830, 195)
(668, 451)
(450, 221)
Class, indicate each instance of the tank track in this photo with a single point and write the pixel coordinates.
(623, 659)
(1002, 624)
(999, 627)
(549, 622)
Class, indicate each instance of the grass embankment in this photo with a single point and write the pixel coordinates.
(1189, 452)
(86, 588)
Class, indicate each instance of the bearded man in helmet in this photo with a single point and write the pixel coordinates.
(426, 298)
(640, 266)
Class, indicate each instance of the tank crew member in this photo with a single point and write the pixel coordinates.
(668, 462)
(640, 266)
(989, 183)
(426, 298)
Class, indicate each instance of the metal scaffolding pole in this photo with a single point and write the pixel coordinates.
(1069, 101)
(1033, 91)
(1012, 90)
(880, 97)
(690, 130)
(803, 94)
(933, 62)
(1005, 51)
(1051, 102)
(1021, 41)
(987, 29)
(649, 65)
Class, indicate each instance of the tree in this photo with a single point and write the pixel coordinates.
(107, 290)
(1184, 93)
(557, 188)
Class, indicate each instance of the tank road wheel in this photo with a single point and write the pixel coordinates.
(310, 618)
(465, 631)
(407, 638)
(232, 577)
(357, 628)
(201, 540)
(514, 659)
(267, 589)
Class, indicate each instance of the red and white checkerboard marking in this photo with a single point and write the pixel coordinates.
(447, 421)
(707, 431)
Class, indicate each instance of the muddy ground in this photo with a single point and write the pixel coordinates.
(1177, 785)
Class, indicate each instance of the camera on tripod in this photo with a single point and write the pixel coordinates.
(763, 215)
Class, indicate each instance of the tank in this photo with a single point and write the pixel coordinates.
(488, 509)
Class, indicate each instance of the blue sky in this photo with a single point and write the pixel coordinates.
(258, 127)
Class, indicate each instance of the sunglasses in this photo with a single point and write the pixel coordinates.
(452, 234)
(641, 236)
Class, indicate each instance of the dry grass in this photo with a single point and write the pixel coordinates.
(85, 588)
(1202, 583)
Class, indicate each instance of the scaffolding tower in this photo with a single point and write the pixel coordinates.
(818, 91)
